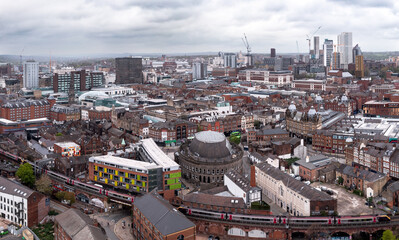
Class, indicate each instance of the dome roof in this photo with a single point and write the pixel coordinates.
(344, 98)
(92, 94)
(318, 98)
(292, 107)
(210, 144)
(312, 111)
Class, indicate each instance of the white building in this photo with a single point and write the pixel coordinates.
(241, 187)
(345, 49)
(291, 195)
(31, 74)
(20, 204)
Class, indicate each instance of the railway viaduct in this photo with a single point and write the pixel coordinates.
(233, 230)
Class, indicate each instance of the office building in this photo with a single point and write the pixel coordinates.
(328, 49)
(22, 205)
(31, 74)
(272, 52)
(77, 81)
(359, 61)
(316, 42)
(335, 60)
(200, 70)
(129, 70)
(153, 169)
(345, 49)
(230, 60)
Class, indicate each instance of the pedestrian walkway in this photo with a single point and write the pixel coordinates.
(123, 228)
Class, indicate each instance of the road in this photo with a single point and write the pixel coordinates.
(58, 207)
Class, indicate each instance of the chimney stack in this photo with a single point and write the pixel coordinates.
(253, 178)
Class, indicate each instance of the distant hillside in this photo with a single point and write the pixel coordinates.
(379, 55)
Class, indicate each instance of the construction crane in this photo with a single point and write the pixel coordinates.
(20, 55)
(297, 49)
(246, 44)
(309, 37)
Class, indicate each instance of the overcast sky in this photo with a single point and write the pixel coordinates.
(77, 27)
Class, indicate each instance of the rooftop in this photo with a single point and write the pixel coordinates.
(210, 137)
(166, 219)
(297, 186)
(14, 188)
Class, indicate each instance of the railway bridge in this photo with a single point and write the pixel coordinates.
(225, 229)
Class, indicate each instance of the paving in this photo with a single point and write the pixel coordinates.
(349, 203)
(110, 222)
(123, 228)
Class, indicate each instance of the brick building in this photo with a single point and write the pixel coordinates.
(154, 218)
(80, 80)
(67, 149)
(61, 113)
(328, 141)
(278, 78)
(370, 183)
(131, 122)
(309, 85)
(381, 109)
(309, 168)
(25, 109)
(266, 135)
(99, 113)
(172, 131)
(74, 224)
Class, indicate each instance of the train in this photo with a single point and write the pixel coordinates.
(282, 220)
(64, 179)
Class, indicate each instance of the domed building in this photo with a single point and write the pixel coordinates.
(206, 158)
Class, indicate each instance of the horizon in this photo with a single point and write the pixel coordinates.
(101, 27)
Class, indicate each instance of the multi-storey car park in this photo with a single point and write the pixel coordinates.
(153, 169)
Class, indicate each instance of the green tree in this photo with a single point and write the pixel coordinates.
(257, 124)
(388, 235)
(25, 173)
(67, 196)
(43, 185)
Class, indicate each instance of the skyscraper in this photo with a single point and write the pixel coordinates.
(129, 70)
(31, 74)
(328, 48)
(345, 49)
(316, 47)
(272, 52)
(356, 51)
(200, 70)
(359, 61)
(230, 60)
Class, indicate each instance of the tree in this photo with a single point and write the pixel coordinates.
(257, 124)
(388, 235)
(43, 185)
(67, 196)
(25, 173)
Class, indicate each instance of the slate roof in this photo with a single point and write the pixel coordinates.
(297, 186)
(214, 200)
(79, 226)
(240, 181)
(394, 187)
(274, 131)
(14, 188)
(363, 174)
(161, 214)
(315, 162)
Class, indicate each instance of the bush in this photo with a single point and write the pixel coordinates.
(358, 192)
(52, 213)
(260, 206)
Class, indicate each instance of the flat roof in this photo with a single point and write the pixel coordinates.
(158, 155)
(123, 162)
(66, 144)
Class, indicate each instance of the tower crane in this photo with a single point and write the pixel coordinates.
(309, 37)
(20, 55)
(246, 44)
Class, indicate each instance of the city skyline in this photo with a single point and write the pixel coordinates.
(98, 27)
